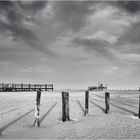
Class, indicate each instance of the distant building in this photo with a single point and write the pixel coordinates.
(100, 87)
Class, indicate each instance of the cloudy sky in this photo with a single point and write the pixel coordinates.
(70, 43)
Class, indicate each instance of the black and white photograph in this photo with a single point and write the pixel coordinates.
(69, 69)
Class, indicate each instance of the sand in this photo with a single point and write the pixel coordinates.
(17, 116)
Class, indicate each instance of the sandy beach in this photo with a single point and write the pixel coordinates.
(17, 116)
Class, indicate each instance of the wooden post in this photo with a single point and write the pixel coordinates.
(65, 106)
(86, 102)
(37, 108)
(107, 102)
(139, 106)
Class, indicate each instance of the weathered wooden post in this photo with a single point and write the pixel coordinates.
(65, 106)
(107, 102)
(37, 108)
(139, 106)
(86, 102)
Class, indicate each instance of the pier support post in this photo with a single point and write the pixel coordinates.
(86, 102)
(65, 106)
(37, 108)
(107, 102)
(29, 87)
(21, 86)
(45, 87)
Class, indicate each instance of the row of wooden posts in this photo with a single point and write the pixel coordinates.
(65, 106)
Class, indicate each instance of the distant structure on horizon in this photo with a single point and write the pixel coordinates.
(25, 87)
(100, 87)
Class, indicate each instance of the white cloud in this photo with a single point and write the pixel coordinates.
(3, 18)
(48, 11)
(29, 24)
(131, 57)
(102, 35)
(107, 22)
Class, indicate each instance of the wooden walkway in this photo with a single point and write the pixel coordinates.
(25, 87)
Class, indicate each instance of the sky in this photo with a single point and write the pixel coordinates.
(71, 44)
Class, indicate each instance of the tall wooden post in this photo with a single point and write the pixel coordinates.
(139, 106)
(107, 102)
(86, 102)
(37, 108)
(65, 106)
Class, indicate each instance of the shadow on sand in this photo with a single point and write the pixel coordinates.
(98, 106)
(47, 113)
(135, 114)
(81, 106)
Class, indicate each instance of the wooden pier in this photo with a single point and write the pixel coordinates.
(100, 87)
(25, 87)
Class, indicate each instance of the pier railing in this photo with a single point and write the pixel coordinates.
(25, 87)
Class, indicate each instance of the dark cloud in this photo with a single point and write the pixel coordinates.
(100, 46)
(132, 36)
(131, 7)
(73, 13)
(12, 18)
(33, 6)
(6, 5)
(16, 11)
